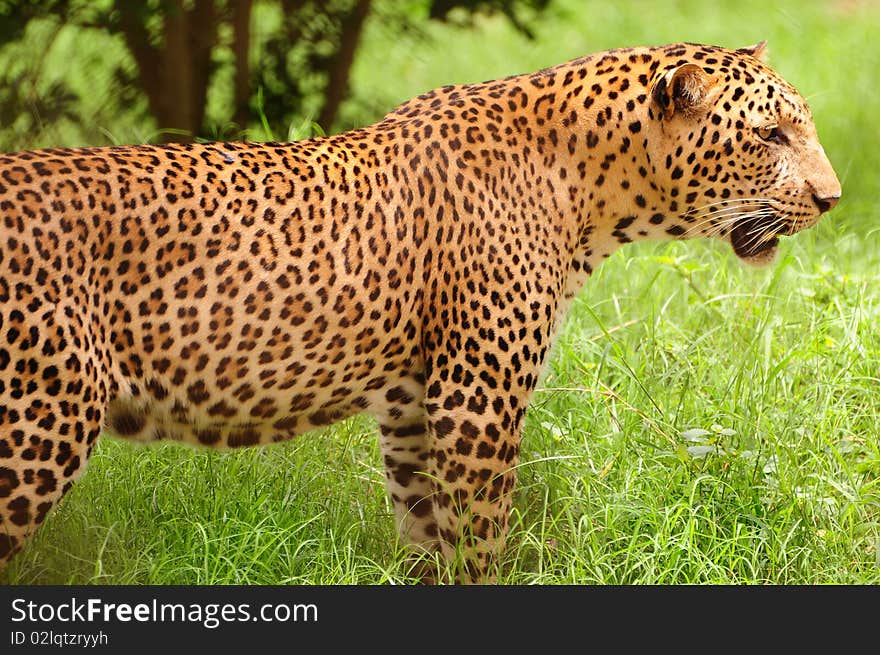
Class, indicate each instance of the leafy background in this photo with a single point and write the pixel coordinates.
(699, 421)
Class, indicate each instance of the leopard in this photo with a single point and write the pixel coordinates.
(231, 295)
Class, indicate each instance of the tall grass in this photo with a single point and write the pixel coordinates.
(699, 422)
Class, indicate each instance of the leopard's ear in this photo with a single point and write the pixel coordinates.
(681, 89)
(758, 51)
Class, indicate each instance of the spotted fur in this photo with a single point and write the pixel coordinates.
(231, 295)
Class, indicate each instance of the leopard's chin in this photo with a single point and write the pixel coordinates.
(763, 258)
(753, 245)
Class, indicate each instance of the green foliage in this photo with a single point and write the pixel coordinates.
(299, 55)
(16, 14)
(512, 9)
(699, 422)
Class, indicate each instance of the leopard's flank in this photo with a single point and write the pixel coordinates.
(231, 295)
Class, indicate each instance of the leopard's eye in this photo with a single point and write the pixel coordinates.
(771, 133)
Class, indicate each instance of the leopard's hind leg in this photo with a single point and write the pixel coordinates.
(52, 394)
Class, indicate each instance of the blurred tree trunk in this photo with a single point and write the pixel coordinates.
(174, 75)
(304, 65)
(339, 66)
(241, 44)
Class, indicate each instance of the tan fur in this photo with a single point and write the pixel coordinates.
(231, 295)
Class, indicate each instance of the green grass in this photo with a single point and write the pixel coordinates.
(699, 422)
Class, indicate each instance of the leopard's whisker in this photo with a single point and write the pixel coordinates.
(719, 222)
(730, 202)
(761, 234)
(759, 214)
(730, 216)
(721, 212)
(705, 210)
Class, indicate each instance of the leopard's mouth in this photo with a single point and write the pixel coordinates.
(755, 240)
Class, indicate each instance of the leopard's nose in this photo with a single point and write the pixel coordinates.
(825, 203)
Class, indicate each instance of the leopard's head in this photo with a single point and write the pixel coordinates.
(736, 147)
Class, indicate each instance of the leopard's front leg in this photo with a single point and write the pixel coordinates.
(473, 461)
(476, 395)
